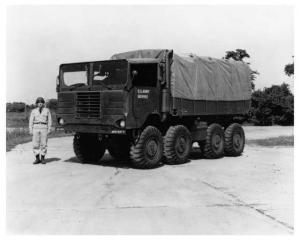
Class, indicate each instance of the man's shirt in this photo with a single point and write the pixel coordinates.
(40, 119)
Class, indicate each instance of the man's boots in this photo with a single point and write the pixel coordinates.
(37, 159)
(43, 159)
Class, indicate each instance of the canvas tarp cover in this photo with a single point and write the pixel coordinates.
(202, 78)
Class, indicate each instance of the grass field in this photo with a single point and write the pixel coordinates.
(19, 120)
(17, 131)
(274, 141)
(21, 135)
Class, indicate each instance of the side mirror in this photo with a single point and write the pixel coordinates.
(57, 84)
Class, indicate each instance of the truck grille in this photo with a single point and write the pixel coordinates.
(88, 105)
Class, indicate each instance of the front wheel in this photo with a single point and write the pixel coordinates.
(148, 151)
(88, 148)
(119, 147)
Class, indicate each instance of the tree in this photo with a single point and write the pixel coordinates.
(239, 55)
(273, 105)
(289, 69)
(15, 107)
(52, 104)
(31, 106)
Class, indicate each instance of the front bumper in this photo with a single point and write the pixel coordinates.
(101, 129)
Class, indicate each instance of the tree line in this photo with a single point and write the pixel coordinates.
(272, 105)
(21, 106)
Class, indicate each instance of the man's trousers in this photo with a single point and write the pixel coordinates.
(39, 140)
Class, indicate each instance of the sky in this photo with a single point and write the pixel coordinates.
(40, 38)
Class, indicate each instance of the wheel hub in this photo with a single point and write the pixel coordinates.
(237, 141)
(217, 142)
(151, 148)
(181, 145)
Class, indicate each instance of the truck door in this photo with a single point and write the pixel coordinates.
(146, 89)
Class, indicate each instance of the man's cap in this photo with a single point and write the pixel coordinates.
(40, 99)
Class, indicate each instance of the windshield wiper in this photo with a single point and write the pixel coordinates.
(73, 86)
(101, 83)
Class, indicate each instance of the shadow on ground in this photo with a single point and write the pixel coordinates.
(196, 154)
(48, 160)
(108, 161)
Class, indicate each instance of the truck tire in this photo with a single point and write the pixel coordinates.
(214, 143)
(88, 148)
(234, 140)
(119, 147)
(148, 151)
(177, 145)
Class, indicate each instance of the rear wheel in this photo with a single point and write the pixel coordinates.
(148, 151)
(234, 140)
(88, 148)
(213, 146)
(119, 147)
(177, 145)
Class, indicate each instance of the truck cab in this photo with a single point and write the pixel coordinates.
(108, 96)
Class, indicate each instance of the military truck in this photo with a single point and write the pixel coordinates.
(150, 106)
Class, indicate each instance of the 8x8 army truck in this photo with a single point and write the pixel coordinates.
(150, 106)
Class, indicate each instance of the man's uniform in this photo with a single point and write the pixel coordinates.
(40, 125)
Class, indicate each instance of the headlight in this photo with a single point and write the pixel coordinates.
(122, 123)
(61, 121)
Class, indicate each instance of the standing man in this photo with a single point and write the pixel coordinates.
(39, 127)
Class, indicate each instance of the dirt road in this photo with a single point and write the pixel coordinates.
(250, 194)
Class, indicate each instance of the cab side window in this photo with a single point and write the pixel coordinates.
(145, 75)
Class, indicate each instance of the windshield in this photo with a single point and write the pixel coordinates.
(75, 74)
(112, 74)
